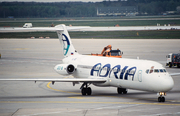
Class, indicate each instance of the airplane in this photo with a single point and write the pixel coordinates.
(122, 73)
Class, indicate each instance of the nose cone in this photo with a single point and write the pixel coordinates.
(167, 84)
(170, 84)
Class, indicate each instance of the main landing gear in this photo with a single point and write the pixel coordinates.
(85, 90)
(121, 91)
(161, 98)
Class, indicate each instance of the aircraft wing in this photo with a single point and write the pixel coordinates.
(174, 74)
(89, 80)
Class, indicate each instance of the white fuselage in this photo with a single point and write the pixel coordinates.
(123, 73)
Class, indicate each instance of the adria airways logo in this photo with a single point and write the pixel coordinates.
(66, 44)
(117, 71)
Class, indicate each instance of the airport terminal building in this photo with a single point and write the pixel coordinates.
(117, 11)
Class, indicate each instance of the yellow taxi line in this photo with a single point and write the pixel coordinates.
(48, 85)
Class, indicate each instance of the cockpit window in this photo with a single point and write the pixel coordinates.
(151, 71)
(156, 71)
(147, 71)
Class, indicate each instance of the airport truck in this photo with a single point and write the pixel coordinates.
(173, 59)
(108, 52)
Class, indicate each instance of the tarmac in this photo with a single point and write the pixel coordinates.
(36, 58)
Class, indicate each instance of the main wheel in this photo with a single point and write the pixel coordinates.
(124, 91)
(83, 91)
(119, 90)
(89, 91)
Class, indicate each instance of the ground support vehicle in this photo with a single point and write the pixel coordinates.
(173, 59)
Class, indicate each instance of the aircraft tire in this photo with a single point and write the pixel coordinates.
(178, 65)
(170, 65)
(83, 91)
(161, 99)
(119, 90)
(86, 91)
(125, 91)
(89, 91)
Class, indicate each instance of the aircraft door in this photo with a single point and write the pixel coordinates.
(140, 75)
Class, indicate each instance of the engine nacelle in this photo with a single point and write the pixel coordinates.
(65, 69)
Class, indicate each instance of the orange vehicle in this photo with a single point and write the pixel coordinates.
(108, 52)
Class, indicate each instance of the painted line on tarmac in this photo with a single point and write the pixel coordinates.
(89, 102)
(21, 48)
(83, 97)
(85, 102)
(48, 85)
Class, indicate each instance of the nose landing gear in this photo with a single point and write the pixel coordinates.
(161, 98)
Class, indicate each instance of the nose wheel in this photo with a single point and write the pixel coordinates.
(161, 98)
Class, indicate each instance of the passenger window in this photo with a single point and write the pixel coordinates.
(156, 70)
(161, 70)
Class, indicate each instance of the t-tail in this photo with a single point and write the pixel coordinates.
(66, 44)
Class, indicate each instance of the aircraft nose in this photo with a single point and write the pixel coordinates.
(168, 84)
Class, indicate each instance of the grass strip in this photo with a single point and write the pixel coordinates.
(158, 34)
